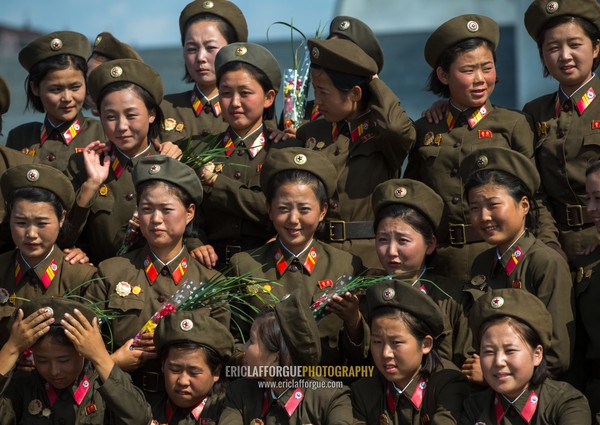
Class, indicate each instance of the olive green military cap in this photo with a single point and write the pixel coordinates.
(516, 303)
(226, 10)
(40, 176)
(501, 159)
(360, 34)
(459, 29)
(253, 54)
(400, 295)
(165, 168)
(540, 12)
(54, 44)
(341, 56)
(299, 330)
(112, 48)
(411, 193)
(302, 159)
(130, 70)
(4, 96)
(193, 326)
(57, 307)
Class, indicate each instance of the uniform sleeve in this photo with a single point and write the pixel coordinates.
(234, 405)
(450, 394)
(462, 338)
(397, 131)
(125, 401)
(245, 201)
(471, 411)
(574, 410)
(12, 394)
(78, 215)
(359, 401)
(340, 408)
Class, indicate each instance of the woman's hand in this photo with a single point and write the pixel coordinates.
(471, 368)
(96, 166)
(207, 174)
(436, 111)
(346, 308)
(205, 255)
(76, 256)
(130, 359)
(167, 149)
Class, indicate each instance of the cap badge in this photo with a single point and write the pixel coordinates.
(33, 175)
(497, 302)
(56, 44)
(4, 296)
(472, 26)
(300, 159)
(154, 169)
(49, 311)
(344, 25)
(116, 71)
(478, 280)
(241, 51)
(552, 7)
(315, 52)
(186, 325)
(400, 192)
(482, 161)
(388, 294)
(98, 40)
(208, 5)
(35, 407)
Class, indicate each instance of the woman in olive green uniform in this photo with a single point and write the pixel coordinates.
(193, 350)
(499, 184)
(205, 26)
(568, 130)
(127, 93)
(411, 385)
(365, 133)
(296, 183)
(513, 330)
(285, 336)
(407, 213)
(461, 53)
(76, 381)
(56, 66)
(234, 216)
(137, 284)
(38, 198)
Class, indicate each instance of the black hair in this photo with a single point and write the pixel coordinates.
(345, 82)
(528, 335)
(225, 29)
(431, 361)
(149, 102)
(38, 72)
(57, 335)
(448, 57)
(593, 167)
(514, 186)
(590, 30)
(269, 332)
(35, 194)
(298, 177)
(177, 191)
(258, 75)
(213, 360)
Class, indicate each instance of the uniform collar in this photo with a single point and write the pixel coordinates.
(470, 116)
(201, 103)
(119, 161)
(525, 405)
(581, 98)
(284, 258)
(414, 392)
(516, 252)
(66, 131)
(45, 270)
(177, 266)
(253, 142)
(288, 400)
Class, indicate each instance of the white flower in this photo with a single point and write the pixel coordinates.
(123, 289)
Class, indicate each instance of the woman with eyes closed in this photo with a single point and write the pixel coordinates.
(462, 55)
(55, 85)
(127, 93)
(498, 186)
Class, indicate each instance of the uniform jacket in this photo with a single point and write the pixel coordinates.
(315, 271)
(367, 151)
(247, 401)
(553, 402)
(163, 409)
(437, 400)
(537, 268)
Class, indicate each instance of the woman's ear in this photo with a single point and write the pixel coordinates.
(442, 75)
(269, 99)
(356, 94)
(427, 344)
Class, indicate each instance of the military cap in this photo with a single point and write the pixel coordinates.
(540, 12)
(165, 168)
(130, 70)
(360, 34)
(253, 54)
(411, 193)
(225, 10)
(342, 56)
(516, 303)
(54, 44)
(111, 47)
(459, 29)
(57, 307)
(4, 96)
(400, 295)
(40, 176)
(299, 330)
(194, 326)
(501, 159)
(302, 159)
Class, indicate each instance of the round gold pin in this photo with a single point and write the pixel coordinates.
(388, 294)
(241, 51)
(344, 25)
(208, 5)
(33, 175)
(300, 159)
(56, 44)
(400, 192)
(482, 161)
(315, 52)
(552, 7)
(472, 26)
(116, 71)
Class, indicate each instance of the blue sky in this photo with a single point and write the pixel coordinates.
(149, 23)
